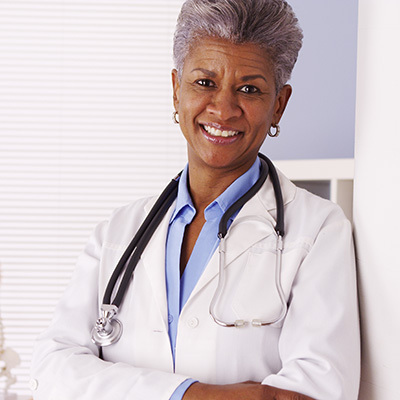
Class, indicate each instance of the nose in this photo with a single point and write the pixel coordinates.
(224, 104)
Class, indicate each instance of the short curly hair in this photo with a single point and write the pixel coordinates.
(271, 24)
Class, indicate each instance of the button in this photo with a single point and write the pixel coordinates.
(33, 384)
(193, 322)
(170, 318)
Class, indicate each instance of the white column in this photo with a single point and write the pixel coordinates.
(377, 196)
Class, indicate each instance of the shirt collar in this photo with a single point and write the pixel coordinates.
(183, 200)
(184, 204)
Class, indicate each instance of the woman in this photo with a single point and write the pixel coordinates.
(233, 59)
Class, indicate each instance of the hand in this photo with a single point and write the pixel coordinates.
(240, 391)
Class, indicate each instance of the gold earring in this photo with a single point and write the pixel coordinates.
(175, 117)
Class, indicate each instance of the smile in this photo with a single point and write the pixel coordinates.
(218, 132)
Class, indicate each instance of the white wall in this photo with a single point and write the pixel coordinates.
(376, 205)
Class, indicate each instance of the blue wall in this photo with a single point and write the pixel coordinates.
(319, 121)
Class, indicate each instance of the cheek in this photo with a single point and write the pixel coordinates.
(191, 107)
(259, 116)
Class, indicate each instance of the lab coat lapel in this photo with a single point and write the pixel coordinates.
(252, 224)
(255, 221)
(153, 259)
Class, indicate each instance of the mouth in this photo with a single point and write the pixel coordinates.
(219, 132)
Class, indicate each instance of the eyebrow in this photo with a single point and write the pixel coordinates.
(245, 78)
(205, 71)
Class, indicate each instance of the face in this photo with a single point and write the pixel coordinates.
(227, 101)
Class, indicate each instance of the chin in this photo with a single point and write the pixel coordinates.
(218, 162)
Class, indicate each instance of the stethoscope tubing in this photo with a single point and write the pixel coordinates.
(108, 330)
(223, 223)
(135, 249)
(280, 218)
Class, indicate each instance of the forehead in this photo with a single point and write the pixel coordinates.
(220, 53)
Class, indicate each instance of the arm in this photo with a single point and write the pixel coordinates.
(240, 391)
(319, 341)
(65, 364)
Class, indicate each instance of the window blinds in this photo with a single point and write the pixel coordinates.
(85, 126)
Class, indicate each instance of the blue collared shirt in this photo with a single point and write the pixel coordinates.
(180, 288)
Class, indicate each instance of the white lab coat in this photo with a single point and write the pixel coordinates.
(314, 351)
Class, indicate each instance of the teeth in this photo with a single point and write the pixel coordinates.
(217, 132)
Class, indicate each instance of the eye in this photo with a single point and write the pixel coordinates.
(249, 89)
(205, 82)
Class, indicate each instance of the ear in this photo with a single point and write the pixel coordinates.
(281, 101)
(175, 88)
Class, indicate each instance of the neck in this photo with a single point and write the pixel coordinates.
(206, 185)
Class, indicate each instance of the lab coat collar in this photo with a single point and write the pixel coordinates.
(257, 217)
(267, 194)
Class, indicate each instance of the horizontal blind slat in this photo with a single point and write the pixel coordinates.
(85, 127)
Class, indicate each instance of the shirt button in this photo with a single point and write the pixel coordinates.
(33, 384)
(193, 322)
(170, 318)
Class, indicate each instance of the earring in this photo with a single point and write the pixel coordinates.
(175, 117)
(277, 130)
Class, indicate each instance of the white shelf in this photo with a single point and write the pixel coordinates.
(328, 178)
(326, 169)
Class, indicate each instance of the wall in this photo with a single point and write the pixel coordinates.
(376, 209)
(319, 121)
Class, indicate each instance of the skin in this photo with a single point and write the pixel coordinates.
(229, 87)
(240, 391)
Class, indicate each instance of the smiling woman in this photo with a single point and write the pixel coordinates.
(227, 100)
(284, 273)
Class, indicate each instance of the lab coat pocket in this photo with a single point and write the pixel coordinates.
(257, 296)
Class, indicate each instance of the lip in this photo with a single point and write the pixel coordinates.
(220, 139)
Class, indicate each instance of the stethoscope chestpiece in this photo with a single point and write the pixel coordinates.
(107, 329)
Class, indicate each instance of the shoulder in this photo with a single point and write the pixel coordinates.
(308, 205)
(307, 214)
(124, 221)
(133, 210)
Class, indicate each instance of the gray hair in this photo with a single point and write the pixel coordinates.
(271, 24)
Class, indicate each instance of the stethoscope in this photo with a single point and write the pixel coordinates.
(108, 329)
